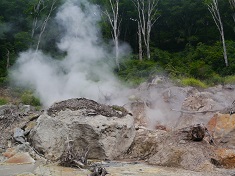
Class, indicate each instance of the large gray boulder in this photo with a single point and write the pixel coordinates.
(107, 131)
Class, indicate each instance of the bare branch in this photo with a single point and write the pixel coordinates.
(8, 59)
(213, 7)
(43, 27)
(115, 22)
(147, 14)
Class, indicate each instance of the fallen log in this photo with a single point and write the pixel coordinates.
(194, 112)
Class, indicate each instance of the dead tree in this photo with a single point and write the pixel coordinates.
(232, 3)
(214, 10)
(115, 21)
(72, 157)
(8, 59)
(147, 17)
(39, 8)
(140, 43)
(44, 24)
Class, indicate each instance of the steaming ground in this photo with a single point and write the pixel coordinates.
(84, 72)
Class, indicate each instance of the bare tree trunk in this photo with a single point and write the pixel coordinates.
(117, 53)
(38, 8)
(140, 43)
(43, 27)
(214, 10)
(35, 19)
(114, 21)
(8, 59)
(224, 49)
(232, 2)
(147, 14)
(148, 42)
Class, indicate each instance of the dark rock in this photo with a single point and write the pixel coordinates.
(99, 171)
(198, 132)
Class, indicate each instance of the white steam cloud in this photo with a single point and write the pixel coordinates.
(84, 72)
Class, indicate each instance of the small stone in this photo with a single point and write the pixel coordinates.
(182, 142)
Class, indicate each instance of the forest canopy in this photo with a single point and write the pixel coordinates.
(184, 39)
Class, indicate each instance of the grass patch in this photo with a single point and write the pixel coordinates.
(3, 81)
(193, 82)
(134, 72)
(229, 80)
(28, 98)
(3, 101)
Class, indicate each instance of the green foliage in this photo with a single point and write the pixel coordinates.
(135, 72)
(229, 79)
(3, 101)
(193, 82)
(215, 79)
(202, 62)
(200, 69)
(28, 98)
(22, 41)
(3, 81)
(185, 34)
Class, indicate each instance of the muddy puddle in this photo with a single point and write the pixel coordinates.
(114, 168)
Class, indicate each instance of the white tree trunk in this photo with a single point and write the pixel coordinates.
(38, 8)
(140, 43)
(214, 10)
(115, 21)
(147, 16)
(8, 59)
(117, 53)
(224, 47)
(232, 2)
(43, 27)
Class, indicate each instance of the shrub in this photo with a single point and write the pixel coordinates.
(28, 98)
(3, 101)
(215, 79)
(135, 72)
(229, 80)
(3, 81)
(199, 69)
(193, 82)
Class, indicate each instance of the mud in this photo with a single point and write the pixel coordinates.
(15, 169)
(114, 169)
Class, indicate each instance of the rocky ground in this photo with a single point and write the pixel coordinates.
(163, 130)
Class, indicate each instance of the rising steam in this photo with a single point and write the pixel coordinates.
(84, 72)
